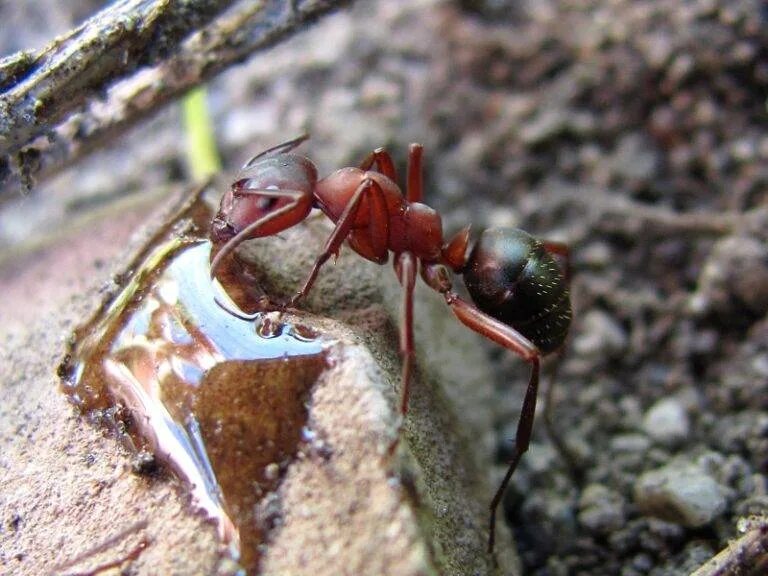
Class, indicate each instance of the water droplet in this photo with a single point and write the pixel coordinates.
(195, 387)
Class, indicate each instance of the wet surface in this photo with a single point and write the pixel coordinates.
(220, 399)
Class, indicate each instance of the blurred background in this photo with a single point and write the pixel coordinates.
(633, 130)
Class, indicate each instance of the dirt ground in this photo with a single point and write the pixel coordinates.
(633, 130)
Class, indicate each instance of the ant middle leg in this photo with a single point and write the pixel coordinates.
(406, 265)
(382, 162)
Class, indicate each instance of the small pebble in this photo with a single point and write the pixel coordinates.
(596, 255)
(272, 471)
(630, 443)
(600, 335)
(667, 422)
(736, 272)
(681, 493)
(601, 510)
(635, 159)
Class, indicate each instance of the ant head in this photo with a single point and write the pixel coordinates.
(273, 193)
(261, 200)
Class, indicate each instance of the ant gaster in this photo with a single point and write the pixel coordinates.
(520, 293)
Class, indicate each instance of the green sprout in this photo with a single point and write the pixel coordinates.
(203, 159)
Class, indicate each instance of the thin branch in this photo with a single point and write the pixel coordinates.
(55, 93)
(613, 213)
(39, 89)
(747, 556)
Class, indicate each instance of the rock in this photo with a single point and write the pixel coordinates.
(667, 422)
(635, 160)
(600, 335)
(734, 280)
(601, 510)
(551, 123)
(630, 443)
(682, 493)
(343, 507)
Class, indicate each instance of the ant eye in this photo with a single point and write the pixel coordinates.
(266, 203)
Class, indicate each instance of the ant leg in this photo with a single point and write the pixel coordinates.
(382, 162)
(415, 182)
(282, 218)
(512, 340)
(571, 457)
(344, 227)
(279, 149)
(563, 252)
(405, 267)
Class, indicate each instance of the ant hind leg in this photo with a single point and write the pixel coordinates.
(513, 341)
(563, 253)
(415, 180)
(573, 461)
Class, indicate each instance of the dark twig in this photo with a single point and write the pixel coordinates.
(122, 65)
(747, 556)
(615, 214)
(39, 89)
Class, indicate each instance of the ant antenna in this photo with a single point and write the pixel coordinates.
(279, 149)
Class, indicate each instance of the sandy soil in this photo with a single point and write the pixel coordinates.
(634, 131)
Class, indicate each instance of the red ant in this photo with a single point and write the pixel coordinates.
(520, 293)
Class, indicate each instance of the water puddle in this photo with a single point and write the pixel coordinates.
(221, 400)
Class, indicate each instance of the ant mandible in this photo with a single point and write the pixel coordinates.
(520, 293)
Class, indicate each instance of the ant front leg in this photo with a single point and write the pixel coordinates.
(292, 213)
(378, 229)
(512, 340)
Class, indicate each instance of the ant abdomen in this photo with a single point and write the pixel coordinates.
(512, 277)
